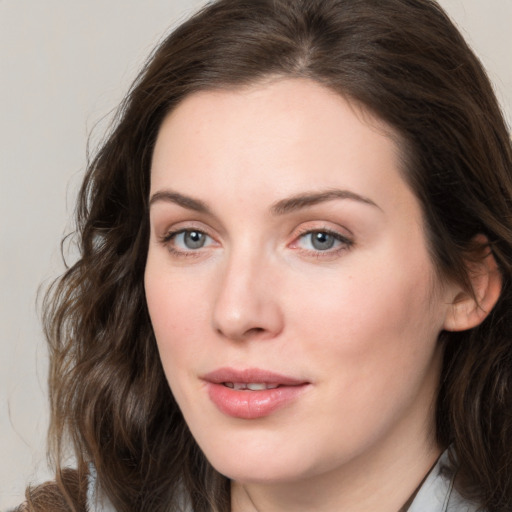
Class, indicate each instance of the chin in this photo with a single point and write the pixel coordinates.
(259, 471)
(261, 462)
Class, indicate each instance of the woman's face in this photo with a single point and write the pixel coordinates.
(293, 300)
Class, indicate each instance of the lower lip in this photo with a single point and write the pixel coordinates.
(250, 405)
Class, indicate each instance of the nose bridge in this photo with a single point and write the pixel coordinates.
(247, 304)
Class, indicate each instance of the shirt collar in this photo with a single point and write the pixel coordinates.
(438, 494)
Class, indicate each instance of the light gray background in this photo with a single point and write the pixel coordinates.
(64, 65)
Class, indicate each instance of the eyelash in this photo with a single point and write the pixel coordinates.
(171, 235)
(345, 243)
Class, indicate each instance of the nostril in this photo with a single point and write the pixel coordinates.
(255, 330)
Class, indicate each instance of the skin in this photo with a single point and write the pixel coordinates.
(358, 321)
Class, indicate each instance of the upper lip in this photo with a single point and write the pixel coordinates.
(251, 375)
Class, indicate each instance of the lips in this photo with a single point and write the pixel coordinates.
(251, 393)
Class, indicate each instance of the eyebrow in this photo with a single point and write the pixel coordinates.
(281, 207)
(167, 196)
(300, 201)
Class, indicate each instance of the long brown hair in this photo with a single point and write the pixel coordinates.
(404, 61)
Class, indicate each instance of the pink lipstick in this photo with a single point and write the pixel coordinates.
(251, 393)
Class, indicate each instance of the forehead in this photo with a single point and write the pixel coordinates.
(300, 101)
(280, 137)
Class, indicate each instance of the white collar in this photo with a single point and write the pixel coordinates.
(438, 494)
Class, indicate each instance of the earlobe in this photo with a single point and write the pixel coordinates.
(467, 310)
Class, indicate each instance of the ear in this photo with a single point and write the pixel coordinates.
(466, 309)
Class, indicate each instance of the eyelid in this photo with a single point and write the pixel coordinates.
(169, 234)
(173, 233)
(163, 231)
(322, 226)
(346, 240)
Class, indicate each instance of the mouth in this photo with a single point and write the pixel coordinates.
(252, 393)
(254, 379)
(249, 386)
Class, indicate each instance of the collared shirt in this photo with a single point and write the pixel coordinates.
(436, 494)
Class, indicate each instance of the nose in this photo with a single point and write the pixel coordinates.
(247, 305)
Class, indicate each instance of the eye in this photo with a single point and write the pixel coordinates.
(191, 239)
(186, 240)
(320, 240)
(323, 241)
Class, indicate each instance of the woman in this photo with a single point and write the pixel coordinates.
(294, 283)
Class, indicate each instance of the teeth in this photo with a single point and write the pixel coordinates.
(256, 387)
(251, 386)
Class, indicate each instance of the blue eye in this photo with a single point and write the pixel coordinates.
(322, 241)
(189, 239)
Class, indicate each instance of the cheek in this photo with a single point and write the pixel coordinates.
(176, 308)
(374, 350)
(377, 322)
